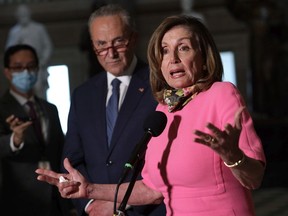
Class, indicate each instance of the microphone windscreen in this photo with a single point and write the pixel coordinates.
(155, 123)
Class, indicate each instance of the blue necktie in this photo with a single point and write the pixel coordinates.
(112, 109)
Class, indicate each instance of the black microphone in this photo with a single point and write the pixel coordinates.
(153, 126)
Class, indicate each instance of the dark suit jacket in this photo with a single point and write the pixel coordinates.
(22, 193)
(86, 140)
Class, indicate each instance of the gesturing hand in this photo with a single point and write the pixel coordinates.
(74, 186)
(225, 142)
(18, 127)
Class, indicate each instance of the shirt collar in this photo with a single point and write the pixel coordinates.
(22, 100)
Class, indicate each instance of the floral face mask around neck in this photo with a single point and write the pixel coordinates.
(176, 99)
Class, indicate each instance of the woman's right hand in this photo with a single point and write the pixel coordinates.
(100, 208)
(74, 185)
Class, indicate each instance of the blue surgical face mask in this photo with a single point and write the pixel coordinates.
(24, 80)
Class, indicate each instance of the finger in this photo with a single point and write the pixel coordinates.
(216, 131)
(69, 189)
(202, 138)
(49, 173)
(25, 125)
(228, 128)
(68, 165)
(199, 133)
(14, 122)
(22, 125)
(201, 141)
(10, 118)
(48, 179)
(237, 119)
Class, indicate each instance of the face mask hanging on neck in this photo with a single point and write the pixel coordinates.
(24, 80)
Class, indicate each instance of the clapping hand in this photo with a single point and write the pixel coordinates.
(18, 126)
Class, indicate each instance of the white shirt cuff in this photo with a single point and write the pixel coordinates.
(13, 147)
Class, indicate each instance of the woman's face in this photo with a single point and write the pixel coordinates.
(182, 62)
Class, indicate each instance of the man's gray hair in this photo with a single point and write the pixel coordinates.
(113, 9)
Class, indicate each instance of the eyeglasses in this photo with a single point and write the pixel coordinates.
(19, 68)
(119, 44)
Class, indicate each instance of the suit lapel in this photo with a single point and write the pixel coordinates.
(98, 96)
(12, 106)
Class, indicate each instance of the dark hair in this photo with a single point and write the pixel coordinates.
(210, 54)
(16, 48)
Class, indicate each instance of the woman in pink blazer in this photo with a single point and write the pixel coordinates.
(209, 157)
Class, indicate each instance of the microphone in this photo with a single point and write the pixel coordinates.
(153, 126)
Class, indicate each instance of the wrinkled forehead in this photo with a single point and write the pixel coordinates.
(107, 28)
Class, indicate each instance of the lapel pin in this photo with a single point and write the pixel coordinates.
(141, 89)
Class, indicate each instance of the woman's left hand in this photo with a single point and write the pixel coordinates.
(71, 185)
(225, 142)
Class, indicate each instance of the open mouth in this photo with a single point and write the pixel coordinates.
(177, 73)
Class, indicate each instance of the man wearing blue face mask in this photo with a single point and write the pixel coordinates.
(30, 137)
(24, 79)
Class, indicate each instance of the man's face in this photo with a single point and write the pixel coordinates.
(113, 45)
(22, 65)
(20, 61)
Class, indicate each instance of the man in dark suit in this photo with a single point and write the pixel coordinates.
(88, 144)
(30, 137)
